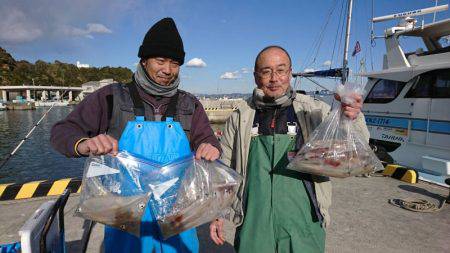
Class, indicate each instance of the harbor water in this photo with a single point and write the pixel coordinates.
(36, 159)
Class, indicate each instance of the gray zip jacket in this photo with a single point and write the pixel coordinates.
(236, 138)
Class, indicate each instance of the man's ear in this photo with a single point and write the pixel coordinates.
(256, 78)
(290, 74)
(143, 62)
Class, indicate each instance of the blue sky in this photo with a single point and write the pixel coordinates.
(225, 35)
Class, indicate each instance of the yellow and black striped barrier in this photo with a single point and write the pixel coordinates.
(208, 109)
(401, 173)
(39, 188)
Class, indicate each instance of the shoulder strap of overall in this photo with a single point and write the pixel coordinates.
(291, 116)
(138, 106)
(291, 119)
(171, 109)
(257, 117)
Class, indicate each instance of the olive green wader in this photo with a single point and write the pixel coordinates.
(278, 216)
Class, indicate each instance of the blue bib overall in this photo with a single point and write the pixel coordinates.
(162, 142)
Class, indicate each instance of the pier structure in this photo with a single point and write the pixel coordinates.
(218, 110)
(40, 93)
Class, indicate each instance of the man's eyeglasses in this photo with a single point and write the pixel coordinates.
(267, 73)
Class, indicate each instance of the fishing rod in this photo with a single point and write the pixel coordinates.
(8, 157)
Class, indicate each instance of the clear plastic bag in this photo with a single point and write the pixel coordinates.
(114, 190)
(182, 194)
(207, 190)
(336, 148)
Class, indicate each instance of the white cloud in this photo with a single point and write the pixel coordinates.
(309, 70)
(91, 28)
(97, 28)
(54, 22)
(16, 27)
(230, 75)
(196, 63)
(327, 63)
(245, 70)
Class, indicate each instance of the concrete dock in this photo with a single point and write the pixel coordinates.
(362, 219)
(219, 110)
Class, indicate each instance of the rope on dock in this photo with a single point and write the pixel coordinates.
(39, 189)
(412, 204)
(417, 205)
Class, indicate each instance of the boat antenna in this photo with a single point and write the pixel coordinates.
(338, 34)
(8, 157)
(314, 50)
(410, 14)
(372, 39)
(434, 14)
(347, 37)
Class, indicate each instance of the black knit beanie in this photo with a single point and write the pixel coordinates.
(163, 40)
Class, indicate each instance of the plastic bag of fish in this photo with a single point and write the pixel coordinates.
(206, 192)
(183, 194)
(112, 192)
(337, 148)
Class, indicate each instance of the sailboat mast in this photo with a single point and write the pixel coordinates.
(347, 41)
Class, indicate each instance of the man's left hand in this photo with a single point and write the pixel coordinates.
(351, 110)
(207, 151)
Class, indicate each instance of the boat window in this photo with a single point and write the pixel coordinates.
(442, 87)
(444, 41)
(384, 91)
(433, 84)
(443, 47)
(412, 45)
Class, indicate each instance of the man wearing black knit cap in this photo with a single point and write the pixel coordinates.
(99, 121)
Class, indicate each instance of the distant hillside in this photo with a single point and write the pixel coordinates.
(14, 72)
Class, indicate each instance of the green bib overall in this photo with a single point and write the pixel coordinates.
(278, 215)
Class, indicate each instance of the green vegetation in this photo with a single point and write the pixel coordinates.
(14, 72)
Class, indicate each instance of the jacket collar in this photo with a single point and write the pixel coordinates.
(299, 108)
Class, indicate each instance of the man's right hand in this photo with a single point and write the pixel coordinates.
(216, 231)
(99, 145)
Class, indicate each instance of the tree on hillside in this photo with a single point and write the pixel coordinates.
(14, 72)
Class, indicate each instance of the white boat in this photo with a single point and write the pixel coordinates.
(2, 107)
(52, 103)
(407, 106)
